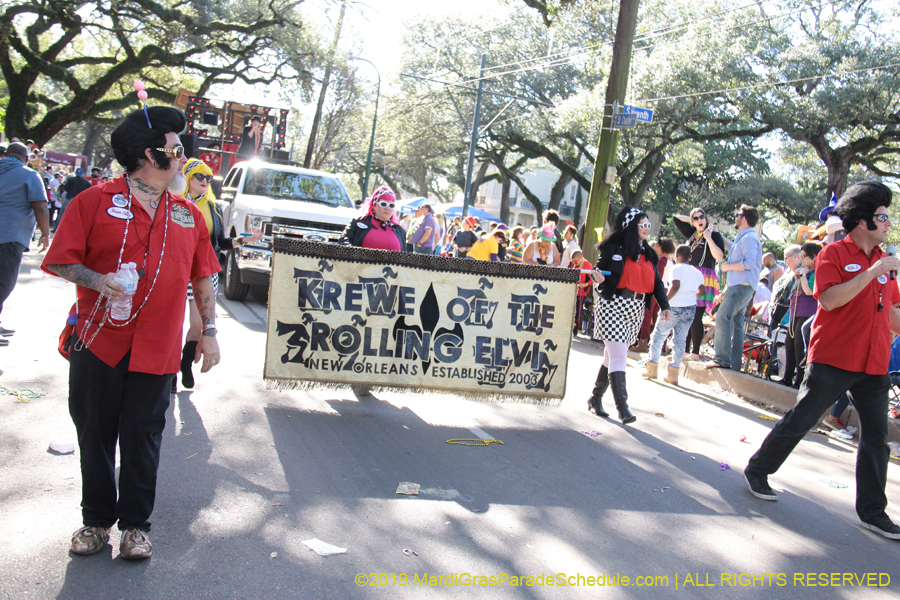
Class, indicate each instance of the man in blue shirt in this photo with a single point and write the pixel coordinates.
(23, 199)
(742, 265)
(423, 238)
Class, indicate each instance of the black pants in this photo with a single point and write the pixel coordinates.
(823, 385)
(794, 353)
(695, 336)
(109, 405)
(10, 259)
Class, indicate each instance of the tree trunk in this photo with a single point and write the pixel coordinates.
(92, 133)
(310, 147)
(837, 163)
(479, 179)
(504, 197)
(559, 190)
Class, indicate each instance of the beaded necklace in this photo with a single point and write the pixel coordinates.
(695, 241)
(107, 318)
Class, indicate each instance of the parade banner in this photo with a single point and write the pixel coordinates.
(346, 316)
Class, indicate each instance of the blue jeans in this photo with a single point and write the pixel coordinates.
(822, 385)
(681, 320)
(730, 325)
(423, 249)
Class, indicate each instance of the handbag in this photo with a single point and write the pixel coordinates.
(67, 337)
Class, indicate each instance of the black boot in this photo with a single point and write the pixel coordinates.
(595, 404)
(620, 395)
(187, 359)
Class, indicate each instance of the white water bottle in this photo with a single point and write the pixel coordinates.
(120, 307)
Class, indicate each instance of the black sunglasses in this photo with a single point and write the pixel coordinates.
(882, 218)
(698, 217)
(740, 214)
(201, 177)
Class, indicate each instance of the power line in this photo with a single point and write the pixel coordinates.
(770, 84)
(582, 49)
(562, 57)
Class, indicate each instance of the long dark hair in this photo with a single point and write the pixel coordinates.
(627, 235)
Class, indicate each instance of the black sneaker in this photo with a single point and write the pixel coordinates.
(759, 486)
(882, 525)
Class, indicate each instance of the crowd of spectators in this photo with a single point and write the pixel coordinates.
(62, 182)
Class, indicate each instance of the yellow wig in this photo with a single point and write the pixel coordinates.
(193, 167)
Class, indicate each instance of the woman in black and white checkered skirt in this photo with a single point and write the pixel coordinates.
(619, 302)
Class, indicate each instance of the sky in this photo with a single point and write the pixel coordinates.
(374, 30)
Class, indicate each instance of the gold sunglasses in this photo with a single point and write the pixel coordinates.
(178, 151)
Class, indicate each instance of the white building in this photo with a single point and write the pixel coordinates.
(521, 211)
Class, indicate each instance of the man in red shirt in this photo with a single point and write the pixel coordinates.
(96, 177)
(849, 351)
(120, 372)
(213, 158)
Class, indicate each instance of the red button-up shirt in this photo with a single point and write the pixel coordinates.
(89, 235)
(855, 337)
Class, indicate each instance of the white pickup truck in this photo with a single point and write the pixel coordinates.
(279, 200)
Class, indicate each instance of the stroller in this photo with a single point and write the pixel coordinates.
(760, 354)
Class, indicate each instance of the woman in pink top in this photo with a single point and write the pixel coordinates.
(377, 227)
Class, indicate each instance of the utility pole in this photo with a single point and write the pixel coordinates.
(474, 142)
(605, 164)
(311, 146)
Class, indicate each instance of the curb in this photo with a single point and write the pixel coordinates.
(757, 390)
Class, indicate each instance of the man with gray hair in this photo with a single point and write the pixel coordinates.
(23, 200)
(783, 288)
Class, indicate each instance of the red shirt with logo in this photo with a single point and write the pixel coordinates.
(854, 337)
(638, 276)
(90, 234)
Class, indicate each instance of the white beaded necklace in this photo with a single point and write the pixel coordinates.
(106, 312)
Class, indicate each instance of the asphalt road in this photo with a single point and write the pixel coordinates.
(248, 474)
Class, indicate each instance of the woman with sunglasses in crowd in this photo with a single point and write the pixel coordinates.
(377, 226)
(707, 249)
(624, 294)
(198, 190)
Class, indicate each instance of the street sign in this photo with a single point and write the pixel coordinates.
(644, 115)
(629, 120)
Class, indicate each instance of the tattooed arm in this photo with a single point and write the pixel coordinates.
(205, 299)
(81, 275)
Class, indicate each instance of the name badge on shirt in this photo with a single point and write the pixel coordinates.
(852, 268)
(882, 280)
(617, 257)
(120, 213)
(120, 201)
(182, 216)
(362, 225)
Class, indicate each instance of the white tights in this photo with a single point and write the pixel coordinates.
(615, 356)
